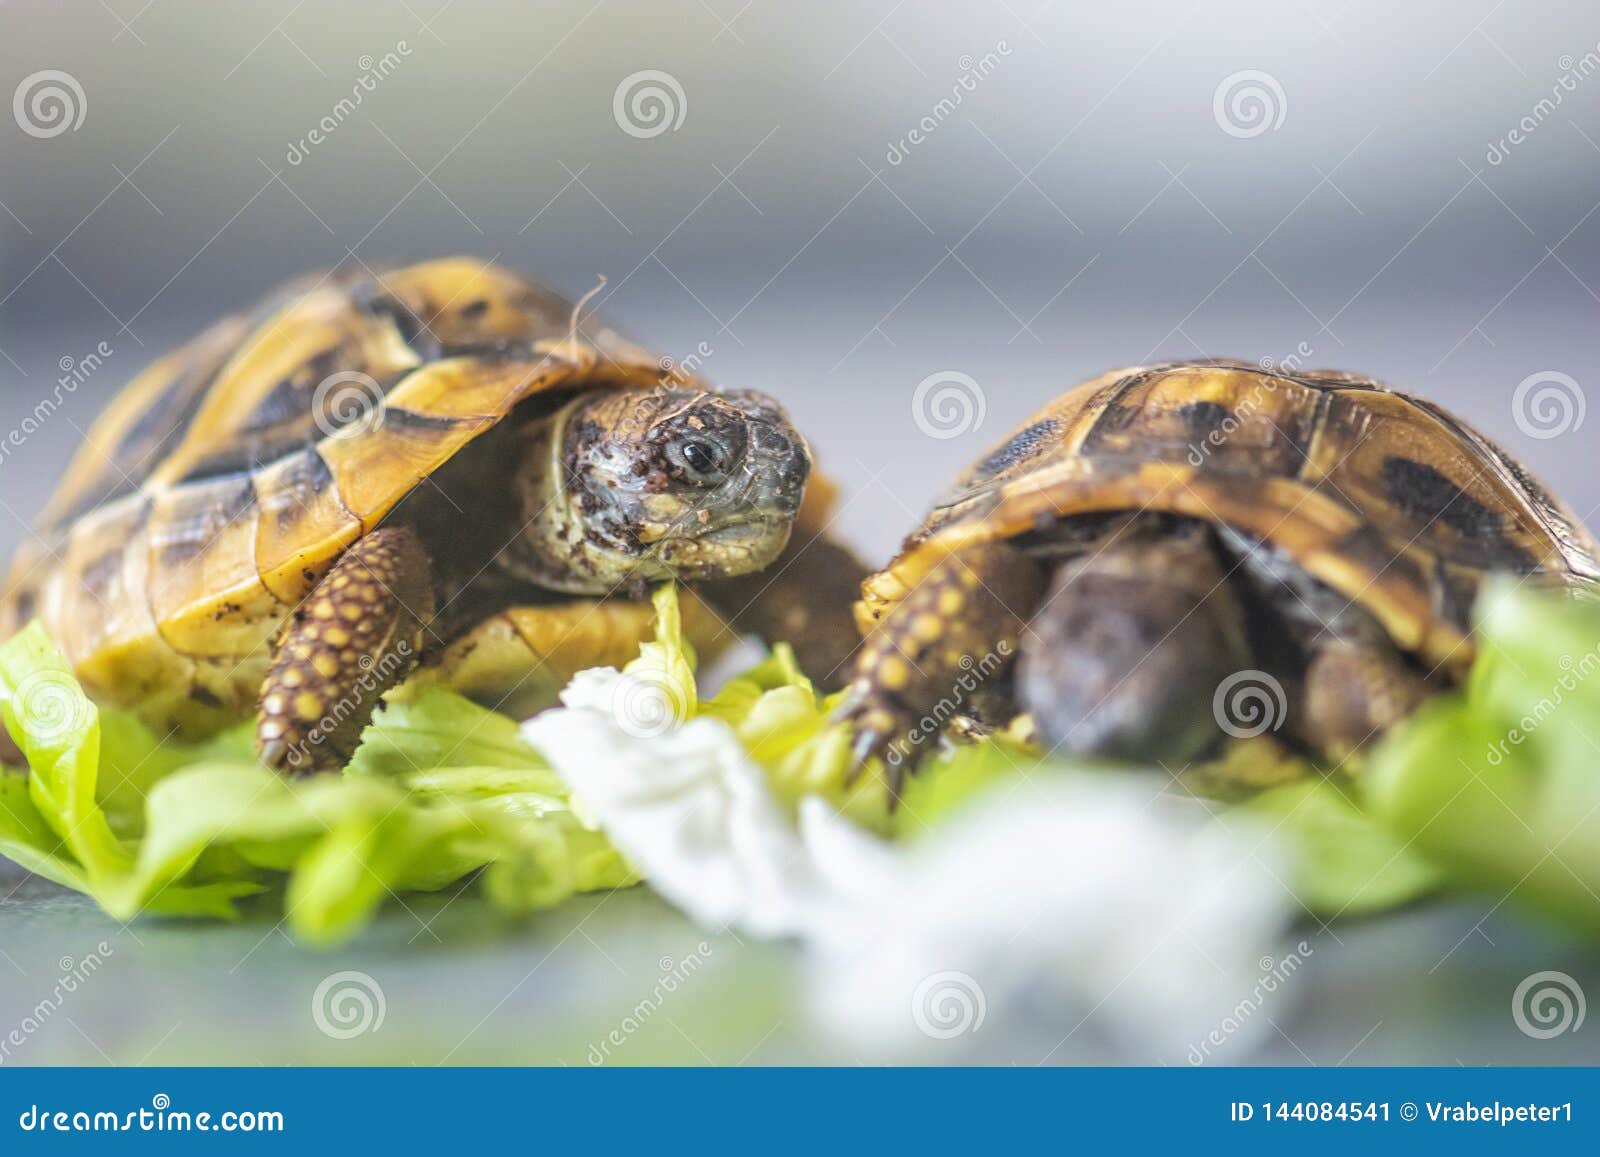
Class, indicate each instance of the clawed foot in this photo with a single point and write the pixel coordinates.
(877, 731)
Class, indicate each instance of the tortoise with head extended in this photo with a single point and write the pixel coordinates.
(433, 464)
(1164, 536)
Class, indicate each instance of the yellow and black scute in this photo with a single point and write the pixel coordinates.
(1384, 497)
(228, 476)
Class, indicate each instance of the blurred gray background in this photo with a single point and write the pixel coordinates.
(1082, 206)
(1329, 180)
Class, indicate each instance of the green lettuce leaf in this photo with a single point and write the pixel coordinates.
(57, 729)
(26, 839)
(68, 835)
(1501, 785)
(1495, 788)
(668, 661)
(1344, 862)
(952, 780)
(787, 728)
(439, 789)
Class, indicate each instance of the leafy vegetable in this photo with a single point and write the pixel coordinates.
(953, 780)
(1497, 787)
(784, 724)
(1344, 863)
(1501, 786)
(439, 789)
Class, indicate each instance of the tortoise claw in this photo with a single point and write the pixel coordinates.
(862, 747)
(870, 740)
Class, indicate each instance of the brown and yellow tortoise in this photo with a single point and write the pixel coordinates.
(1160, 536)
(433, 464)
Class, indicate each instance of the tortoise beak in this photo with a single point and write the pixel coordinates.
(777, 460)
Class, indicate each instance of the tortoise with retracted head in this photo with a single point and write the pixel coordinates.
(434, 464)
(1161, 532)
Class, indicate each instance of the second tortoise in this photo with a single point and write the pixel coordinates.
(1171, 559)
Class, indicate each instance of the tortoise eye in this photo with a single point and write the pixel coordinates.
(702, 461)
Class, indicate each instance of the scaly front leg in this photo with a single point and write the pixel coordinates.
(959, 629)
(356, 636)
(805, 597)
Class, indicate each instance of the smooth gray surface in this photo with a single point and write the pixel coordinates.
(464, 986)
(1082, 208)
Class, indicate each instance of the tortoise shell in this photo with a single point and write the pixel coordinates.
(228, 476)
(1384, 497)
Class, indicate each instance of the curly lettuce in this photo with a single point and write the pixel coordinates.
(1494, 787)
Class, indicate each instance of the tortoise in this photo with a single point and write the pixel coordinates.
(435, 464)
(1170, 562)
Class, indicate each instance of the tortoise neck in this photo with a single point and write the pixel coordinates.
(559, 546)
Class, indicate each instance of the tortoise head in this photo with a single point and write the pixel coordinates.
(674, 483)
